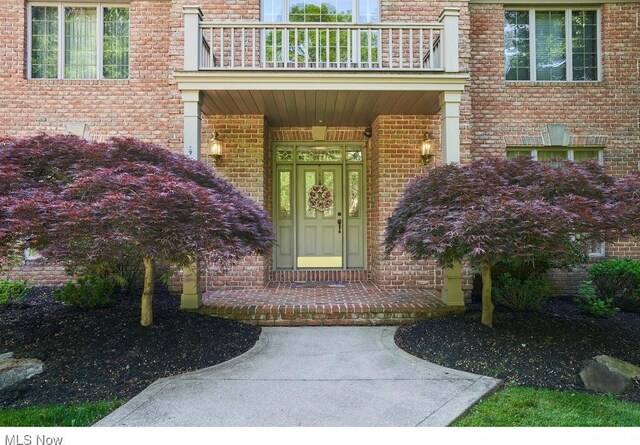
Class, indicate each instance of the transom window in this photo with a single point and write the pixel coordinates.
(551, 154)
(366, 11)
(68, 41)
(548, 154)
(552, 45)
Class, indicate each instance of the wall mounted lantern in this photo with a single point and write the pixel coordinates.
(426, 149)
(215, 148)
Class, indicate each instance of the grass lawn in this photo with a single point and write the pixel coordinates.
(522, 406)
(57, 415)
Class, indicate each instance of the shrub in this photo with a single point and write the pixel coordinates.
(13, 293)
(124, 271)
(590, 304)
(617, 280)
(89, 292)
(522, 294)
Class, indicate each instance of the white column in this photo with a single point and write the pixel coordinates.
(452, 293)
(192, 100)
(191, 297)
(192, 37)
(450, 40)
(450, 126)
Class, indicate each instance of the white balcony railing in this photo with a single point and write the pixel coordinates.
(211, 46)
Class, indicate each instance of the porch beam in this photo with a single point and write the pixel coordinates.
(452, 293)
(191, 297)
(305, 81)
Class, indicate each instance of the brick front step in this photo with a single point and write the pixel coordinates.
(287, 276)
(285, 316)
(326, 304)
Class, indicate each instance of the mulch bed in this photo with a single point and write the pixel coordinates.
(102, 354)
(543, 350)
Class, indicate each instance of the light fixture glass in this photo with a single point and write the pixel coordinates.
(215, 148)
(426, 147)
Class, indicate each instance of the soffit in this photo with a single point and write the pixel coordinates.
(320, 107)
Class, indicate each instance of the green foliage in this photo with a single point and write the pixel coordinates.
(89, 292)
(517, 406)
(528, 294)
(591, 304)
(13, 293)
(125, 271)
(618, 280)
(57, 415)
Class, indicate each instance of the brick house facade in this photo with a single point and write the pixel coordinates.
(438, 68)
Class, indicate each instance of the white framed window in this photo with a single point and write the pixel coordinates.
(77, 41)
(550, 154)
(309, 11)
(547, 154)
(32, 255)
(553, 44)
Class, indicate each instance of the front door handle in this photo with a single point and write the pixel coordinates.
(339, 225)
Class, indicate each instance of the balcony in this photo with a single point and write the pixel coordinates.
(331, 74)
(337, 47)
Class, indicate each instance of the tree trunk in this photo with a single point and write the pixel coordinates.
(146, 312)
(487, 304)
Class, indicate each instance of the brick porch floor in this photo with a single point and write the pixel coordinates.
(325, 303)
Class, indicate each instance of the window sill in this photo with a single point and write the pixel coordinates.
(552, 83)
(80, 81)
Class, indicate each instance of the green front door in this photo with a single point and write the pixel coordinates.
(319, 233)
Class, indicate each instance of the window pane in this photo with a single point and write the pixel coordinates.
(354, 154)
(312, 47)
(584, 45)
(548, 155)
(354, 194)
(80, 43)
(368, 11)
(329, 182)
(586, 155)
(44, 42)
(319, 154)
(320, 11)
(516, 45)
(285, 194)
(284, 154)
(272, 11)
(309, 181)
(551, 58)
(516, 153)
(116, 43)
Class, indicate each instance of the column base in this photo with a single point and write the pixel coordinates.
(452, 294)
(191, 297)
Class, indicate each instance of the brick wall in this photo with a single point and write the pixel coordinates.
(136, 107)
(394, 160)
(610, 110)
(243, 165)
(505, 110)
(37, 273)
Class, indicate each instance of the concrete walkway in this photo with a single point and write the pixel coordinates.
(310, 376)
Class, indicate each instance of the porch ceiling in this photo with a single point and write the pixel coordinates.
(328, 99)
(328, 108)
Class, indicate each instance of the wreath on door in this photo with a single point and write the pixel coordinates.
(320, 198)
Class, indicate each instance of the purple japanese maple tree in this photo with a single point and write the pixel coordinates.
(494, 209)
(78, 201)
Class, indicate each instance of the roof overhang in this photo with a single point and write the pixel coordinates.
(313, 98)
